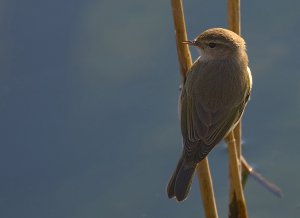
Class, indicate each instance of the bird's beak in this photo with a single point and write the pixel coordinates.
(189, 42)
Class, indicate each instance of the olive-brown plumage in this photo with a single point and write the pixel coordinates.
(212, 101)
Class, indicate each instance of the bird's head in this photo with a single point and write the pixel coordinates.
(218, 43)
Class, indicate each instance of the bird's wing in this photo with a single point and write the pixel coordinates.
(202, 129)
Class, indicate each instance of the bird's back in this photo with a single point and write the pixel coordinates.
(205, 83)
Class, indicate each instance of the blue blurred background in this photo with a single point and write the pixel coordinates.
(88, 108)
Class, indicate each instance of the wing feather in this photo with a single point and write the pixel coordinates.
(202, 129)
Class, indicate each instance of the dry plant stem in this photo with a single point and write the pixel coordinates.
(184, 55)
(234, 24)
(235, 175)
(260, 179)
(237, 136)
(237, 205)
(185, 62)
(207, 191)
(234, 16)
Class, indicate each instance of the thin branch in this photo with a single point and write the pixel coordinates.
(261, 180)
(234, 16)
(184, 55)
(185, 62)
(206, 188)
(238, 203)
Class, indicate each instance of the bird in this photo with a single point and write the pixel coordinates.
(213, 97)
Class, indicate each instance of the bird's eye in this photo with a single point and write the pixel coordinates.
(212, 44)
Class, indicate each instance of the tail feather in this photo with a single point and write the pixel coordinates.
(171, 185)
(181, 180)
(184, 181)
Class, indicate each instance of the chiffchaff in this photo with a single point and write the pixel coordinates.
(212, 101)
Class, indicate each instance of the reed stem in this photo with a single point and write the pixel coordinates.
(185, 62)
(237, 205)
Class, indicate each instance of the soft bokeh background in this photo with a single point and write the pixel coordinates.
(88, 108)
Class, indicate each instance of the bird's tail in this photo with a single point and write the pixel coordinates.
(181, 180)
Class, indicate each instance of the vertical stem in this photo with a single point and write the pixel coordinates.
(234, 24)
(206, 188)
(184, 55)
(237, 135)
(234, 16)
(237, 205)
(185, 62)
